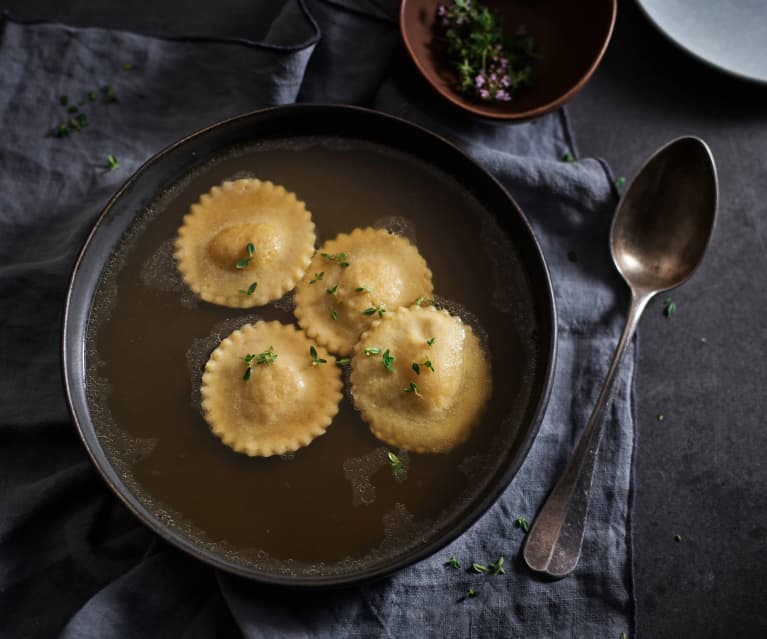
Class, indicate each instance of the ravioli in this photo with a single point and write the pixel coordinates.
(421, 379)
(266, 392)
(354, 280)
(245, 243)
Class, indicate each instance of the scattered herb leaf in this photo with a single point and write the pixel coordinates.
(661, 417)
(91, 95)
(416, 368)
(250, 290)
(677, 538)
(431, 341)
(73, 109)
(317, 277)
(332, 291)
(374, 350)
(112, 162)
(419, 301)
(363, 289)
(470, 594)
(427, 363)
(388, 360)
(344, 361)
(316, 360)
(412, 388)
(669, 308)
(523, 524)
(336, 258)
(267, 358)
(480, 568)
(620, 183)
(109, 92)
(245, 261)
(497, 568)
(248, 359)
(381, 309)
(624, 636)
(568, 157)
(452, 562)
(333, 315)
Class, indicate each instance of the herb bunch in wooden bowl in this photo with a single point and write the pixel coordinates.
(491, 66)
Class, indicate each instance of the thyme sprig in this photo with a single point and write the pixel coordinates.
(491, 66)
(244, 262)
(380, 309)
(316, 359)
(413, 388)
(266, 358)
(336, 258)
(250, 290)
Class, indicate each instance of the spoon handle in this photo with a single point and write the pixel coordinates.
(554, 542)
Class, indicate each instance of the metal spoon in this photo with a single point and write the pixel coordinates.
(659, 234)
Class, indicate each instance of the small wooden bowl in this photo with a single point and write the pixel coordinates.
(570, 37)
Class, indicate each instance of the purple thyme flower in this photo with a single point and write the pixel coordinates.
(479, 80)
(484, 94)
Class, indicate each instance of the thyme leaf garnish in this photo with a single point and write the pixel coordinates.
(412, 388)
(250, 290)
(397, 467)
(388, 360)
(316, 359)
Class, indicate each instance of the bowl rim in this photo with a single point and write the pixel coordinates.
(533, 112)
(73, 358)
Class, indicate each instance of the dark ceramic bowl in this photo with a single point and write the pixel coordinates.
(135, 342)
(571, 38)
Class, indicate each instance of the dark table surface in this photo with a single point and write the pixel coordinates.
(700, 469)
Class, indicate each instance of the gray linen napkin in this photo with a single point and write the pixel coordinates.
(72, 560)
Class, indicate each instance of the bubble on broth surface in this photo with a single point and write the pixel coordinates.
(285, 303)
(160, 271)
(242, 175)
(400, 525)
(398, 225)
(359, 472)
(466, 316)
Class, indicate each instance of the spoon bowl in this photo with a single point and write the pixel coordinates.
(659, 234)
(664, 221)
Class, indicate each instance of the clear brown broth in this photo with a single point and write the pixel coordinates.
(148, 341)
